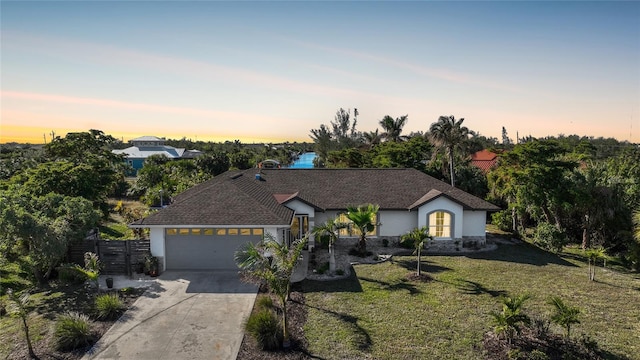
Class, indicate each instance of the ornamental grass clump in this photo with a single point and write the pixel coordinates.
(73, 331)
(108, 307)
(263, 324)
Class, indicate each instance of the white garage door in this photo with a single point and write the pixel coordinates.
(189, 251)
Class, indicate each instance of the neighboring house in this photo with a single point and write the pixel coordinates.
(206, 224)
(146, 146)
(484, 160)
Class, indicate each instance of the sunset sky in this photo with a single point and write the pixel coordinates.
(272, 71)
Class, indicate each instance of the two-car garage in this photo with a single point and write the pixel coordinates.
(206, 248)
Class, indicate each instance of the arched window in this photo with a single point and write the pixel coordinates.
(440, 224)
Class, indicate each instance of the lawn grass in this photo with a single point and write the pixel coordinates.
(379, 314)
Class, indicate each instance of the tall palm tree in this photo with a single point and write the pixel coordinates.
(331, 228)
(272, 263)
(448, 134)
(419, 236)
(362, 218)
(393, 128)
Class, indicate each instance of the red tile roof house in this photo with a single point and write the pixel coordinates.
(485, 160)
(205, 225)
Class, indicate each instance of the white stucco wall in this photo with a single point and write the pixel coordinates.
(300, 208)
(322, 217)
(443, 203)
(396, 223)
(474, 223)
(156, 243)
(275, 232)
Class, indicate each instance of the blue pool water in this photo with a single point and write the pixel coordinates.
(305, 161)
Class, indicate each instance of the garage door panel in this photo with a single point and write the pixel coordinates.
(204, 252)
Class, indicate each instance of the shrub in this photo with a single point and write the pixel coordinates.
(407, 243)
(588, 342)
(264, 302)
(108, 307)
(537, 355)
(549, 237)
(323, 268)
(502, 219)
(339, 272)
(540, 327)
(127, 290)
(356, 252)
(514, 354)
(69, 273)
(265, 328)
(73, 330)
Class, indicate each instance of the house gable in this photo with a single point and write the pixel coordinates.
(447, 205)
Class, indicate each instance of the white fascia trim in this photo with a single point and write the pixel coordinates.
(207, 226)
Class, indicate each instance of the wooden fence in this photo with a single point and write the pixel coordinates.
(118, 257)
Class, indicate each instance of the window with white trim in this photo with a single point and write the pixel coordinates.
(440, 224)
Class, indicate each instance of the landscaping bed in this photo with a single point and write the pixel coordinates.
(46, 304)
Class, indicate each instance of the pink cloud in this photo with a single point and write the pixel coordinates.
(112, 55)
(437, 73)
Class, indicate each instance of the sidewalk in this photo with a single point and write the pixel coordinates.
(123, 281)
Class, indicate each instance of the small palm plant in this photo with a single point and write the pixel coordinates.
(91, 269)
(18, 307)
(509, 320)
(564, 315)
(419, 236)
(272, 263)
(592, 256)
(362, 218)
(331, 228)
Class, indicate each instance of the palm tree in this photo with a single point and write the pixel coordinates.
(362, 218)
(392, 128)
(419, 236)
(636, 221)
(331, 228)
(508, 321)
(371, 138)
(448, 134)
(565, 315)
(592, 256)
(18, 307)
(272, 263)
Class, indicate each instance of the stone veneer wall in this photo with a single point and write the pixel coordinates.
(467, 242)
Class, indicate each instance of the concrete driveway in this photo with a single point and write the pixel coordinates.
(183, 315)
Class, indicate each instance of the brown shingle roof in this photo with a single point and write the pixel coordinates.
(228, 199)
(238, 198)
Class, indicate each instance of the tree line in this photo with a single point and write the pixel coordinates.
(558, 189)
